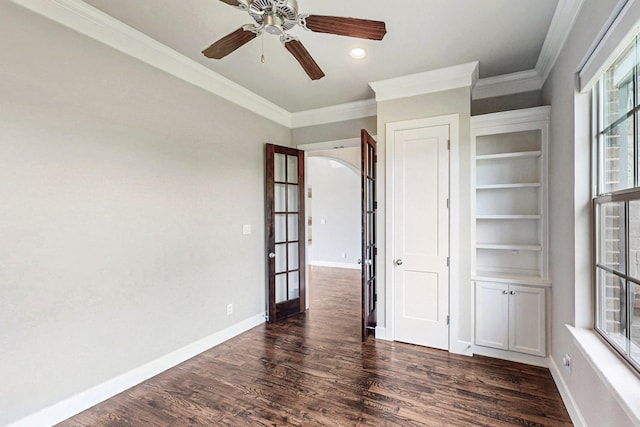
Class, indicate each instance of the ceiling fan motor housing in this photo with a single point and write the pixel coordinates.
(277, 15)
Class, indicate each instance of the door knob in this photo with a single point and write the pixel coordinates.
(399, 262)
(368, 262)
(272, 255)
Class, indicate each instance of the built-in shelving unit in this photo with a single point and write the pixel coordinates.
(509, 200)
(509, 231)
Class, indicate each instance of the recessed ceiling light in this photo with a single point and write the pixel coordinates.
(358, 53)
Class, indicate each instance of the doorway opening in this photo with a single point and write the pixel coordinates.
(333, 206)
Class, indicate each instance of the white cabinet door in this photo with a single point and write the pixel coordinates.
(527, 320)
(492, 315)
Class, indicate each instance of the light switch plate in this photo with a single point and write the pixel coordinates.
(246, 228)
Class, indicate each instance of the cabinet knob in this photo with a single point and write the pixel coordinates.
(512, 292)
(505, 292)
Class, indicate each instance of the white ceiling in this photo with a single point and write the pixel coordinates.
(505, 36)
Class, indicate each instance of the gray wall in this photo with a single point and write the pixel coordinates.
(336, 200)
(119, 240)
(505, 103)
(569, 219)
(457, 101)
(333, 131)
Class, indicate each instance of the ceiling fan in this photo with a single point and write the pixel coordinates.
(278, 16)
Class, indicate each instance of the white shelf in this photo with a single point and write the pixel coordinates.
(508, 186)
(510, 155)
(508, 217)
(517, 279)
(509, 247)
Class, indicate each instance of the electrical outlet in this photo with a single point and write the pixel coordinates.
(229, 309)
(566, 362)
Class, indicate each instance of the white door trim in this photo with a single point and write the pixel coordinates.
(453, 121)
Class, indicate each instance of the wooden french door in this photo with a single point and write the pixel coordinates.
(285, 229)
(369, 249)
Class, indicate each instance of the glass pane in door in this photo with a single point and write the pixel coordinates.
(279, 168)
(281, 258)
(294, 200)
(293, 256)
(292, 169)
(280, 224)
(281, 287)
(293, 227)
(294, 289)
(280, 197)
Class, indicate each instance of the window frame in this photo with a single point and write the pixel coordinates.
(600, 197)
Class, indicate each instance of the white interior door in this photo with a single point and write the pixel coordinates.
(421, 236)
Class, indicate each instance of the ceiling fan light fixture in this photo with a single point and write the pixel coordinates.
(273, 24)
(358, 53)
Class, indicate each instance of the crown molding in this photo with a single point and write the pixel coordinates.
(335, 113)
(507, 84)
(561, 25)
(87, 20)
(513, 117)
(439, 80)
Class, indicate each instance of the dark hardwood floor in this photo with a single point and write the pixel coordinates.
(312, 370)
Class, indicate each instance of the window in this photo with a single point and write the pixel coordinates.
(616, 100)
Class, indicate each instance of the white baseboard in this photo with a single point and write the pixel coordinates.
(567, 397)
(511, 356)
(84, 400)
(335, 264)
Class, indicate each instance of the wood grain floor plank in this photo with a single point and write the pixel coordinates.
(312, 370)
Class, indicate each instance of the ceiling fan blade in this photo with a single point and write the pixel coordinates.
(303, 56)
(350, 27)
(231, 2)
(229, 43)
